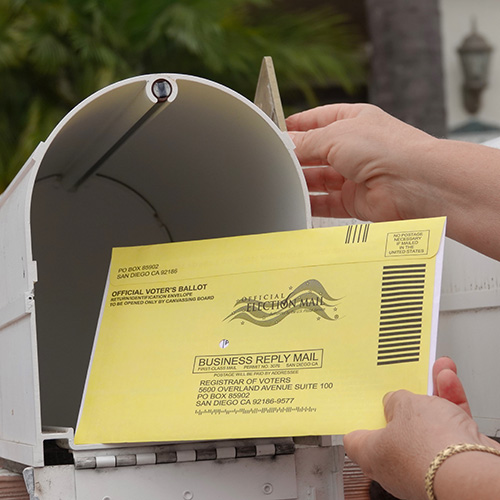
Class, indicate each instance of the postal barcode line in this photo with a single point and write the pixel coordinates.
(395, 274)
(397, 310)
(388, 334)
(393, 288)
(406, 351)
(246, 411)
(357, 233)
(392, 343)
(393, 338)
(406, 312)
(405, 315)
(401, 321)
(397, 268)
(399, 356)
(398, 299)
(417, 293)
(403, 305)
(384, 332)
(403, 280)
(401, 313)
(393, 362)
(399, 327)
(399, 273)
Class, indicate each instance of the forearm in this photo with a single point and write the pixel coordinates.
(470, 475)
(461, 181)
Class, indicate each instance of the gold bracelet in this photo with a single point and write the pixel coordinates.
(447, 453)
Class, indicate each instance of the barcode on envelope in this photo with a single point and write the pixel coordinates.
(357, 233)
(401, 309)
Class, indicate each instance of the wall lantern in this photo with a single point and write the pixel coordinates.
(475, 54)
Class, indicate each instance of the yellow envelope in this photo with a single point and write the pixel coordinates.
(282, 334)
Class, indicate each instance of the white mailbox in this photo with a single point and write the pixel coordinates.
(151, 159)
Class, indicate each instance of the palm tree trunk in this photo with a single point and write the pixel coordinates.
(406, 63)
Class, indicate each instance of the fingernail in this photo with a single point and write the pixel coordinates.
(386, 397)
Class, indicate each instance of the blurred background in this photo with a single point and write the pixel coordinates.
(402, 56)
(432, 63)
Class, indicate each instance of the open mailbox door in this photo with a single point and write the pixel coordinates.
(151, 159)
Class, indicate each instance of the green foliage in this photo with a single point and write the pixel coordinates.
(54, 53)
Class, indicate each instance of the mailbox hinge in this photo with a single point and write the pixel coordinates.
(124, 458)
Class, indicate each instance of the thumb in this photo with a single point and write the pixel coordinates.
(358, 446)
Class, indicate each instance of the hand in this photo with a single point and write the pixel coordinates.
(418, 428)
(366, 157)
(371, 166)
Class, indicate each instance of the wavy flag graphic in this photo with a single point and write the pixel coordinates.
(310, 296)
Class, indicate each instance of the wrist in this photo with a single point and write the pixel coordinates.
(464, 472)
(461, 181)
(433, 178)
(419, 182)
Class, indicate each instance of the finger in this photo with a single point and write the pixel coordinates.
(328, 205)
(439, 365)
(311, 147)
(395, 401)
(449, 386)
(321, 116)
(388, 406)
(322, 179)
(358, 445)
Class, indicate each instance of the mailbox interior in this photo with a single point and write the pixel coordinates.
(116, 172)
